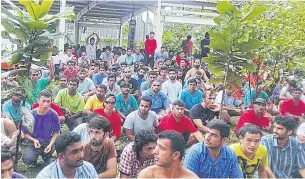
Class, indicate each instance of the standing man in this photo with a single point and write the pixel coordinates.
(141, 119)
(213, 159)
(150, 47)
(91, 47)
(100, 151)
(171, 88)
(286, 155)
(187, 46)
(252, 157)
(70, 160)
(45, 130)
(168, 155)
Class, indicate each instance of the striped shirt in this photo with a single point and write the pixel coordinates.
(284, 162)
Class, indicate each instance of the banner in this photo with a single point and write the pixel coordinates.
(132, 33)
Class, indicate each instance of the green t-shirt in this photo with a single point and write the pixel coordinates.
(73, 103)
(40, 85)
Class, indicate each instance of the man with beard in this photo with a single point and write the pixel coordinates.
(72, 102)
(100, 151)
(294, 107)
(152, 76)
(112, 87)
(197, 67)
(141, 119)
(255, 116)
(168, 154)
(12, 108)
(86, 86)
(62, 84)
(95, 101)
(134, 90)
(45, 130)
(163, 74)
(140, 76)
(107, 55)
(161, 55)
(286, 156)
(204, 112)
(125, 103)
(213, 159)
(109, 113)
(138, 155)
(252, 156)
(171, 88)
(128, 58)
(159, 100)
(137, 55)
(69, 163)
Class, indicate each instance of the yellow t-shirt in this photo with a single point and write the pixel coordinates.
(93, 103)
(249, 167)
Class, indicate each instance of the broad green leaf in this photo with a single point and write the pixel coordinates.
(217, 20)
(15, 59)
(32, 8)
(256, 12)
(20, 13)
(243, 38)
(13, 28)
(45, 7)
(14, 18)
(251, 45)
(219, 44)
(45, 56)
(250, 67)
(209, 59)
(37, 25)
(224, 7)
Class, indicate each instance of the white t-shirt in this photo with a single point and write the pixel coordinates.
(228, 101)
(172, 90)
(83, 132)
(86, 86)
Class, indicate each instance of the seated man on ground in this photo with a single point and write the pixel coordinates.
(96, 101)
(62, 84)
(160, 104)
(294, 107)
(138, 155)
(72, 103)
(109, 113)
(100, 151)
(169, 153)
(141, 119)
(255, 116)
(45, 130)
(178, 122)
(86, 86)
(70, 160)
(7, 165)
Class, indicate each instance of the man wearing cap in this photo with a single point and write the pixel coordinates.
(12, 108)
(255, 116)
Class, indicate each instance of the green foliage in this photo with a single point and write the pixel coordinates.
(32, 30)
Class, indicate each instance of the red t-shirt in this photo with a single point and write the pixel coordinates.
(114, 119)
(169, 123)
(249, 117)
(288, 106)
(187, 46)
(70, 74)
(178, 60)
(150, 46)
(52, 106)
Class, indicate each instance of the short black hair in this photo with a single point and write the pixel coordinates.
(111, 76)
(298, 89)
(92, 38)
(110, 95)
(221, 126)
(124, 84)
(143, 138)
(75, 80)
(179, 103)
(250, 129)
(177, 141)
(66, 139)
(288, 122)
(151, 33)
(189, 37)
(46, 93)
(164, 68)
(146, 99)
(82, 70)
(6, 155)
(99, 122)
(152, 73)
(172, 69)
(124, 63)
(192, 80)
(102, 86)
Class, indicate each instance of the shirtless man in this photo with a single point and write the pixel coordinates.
(196, 67)
(168, 155)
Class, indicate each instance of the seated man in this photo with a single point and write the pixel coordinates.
(160, 104)
(255, 116)
(70, 160)
(213, 159)
(151, 77)
(204, 112)
(178, 122)
(83, 128)
(109, 113)
(141, 119)
(169, 153)
(7, 165)
(112, 87)
(62, 84)
(125, 102)
(252, 157)
(45, 130)
(100, 76)
(86, 86)
(251, 95)
(12, 108)
(95, 101)
(100, 151)
(138, 155)
(71, 70)
(72, 102)
(294, 107)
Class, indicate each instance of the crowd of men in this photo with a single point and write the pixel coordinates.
(163, 104)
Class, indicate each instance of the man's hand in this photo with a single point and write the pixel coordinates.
(36, 144)
(48, 149)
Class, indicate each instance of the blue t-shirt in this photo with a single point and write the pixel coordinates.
(8, 110)
(189, 99)
(126, 107)
(249, 99)
(159, 102)
(98, 78)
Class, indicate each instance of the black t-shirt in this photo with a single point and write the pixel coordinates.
(206, 115)
(133, 85)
